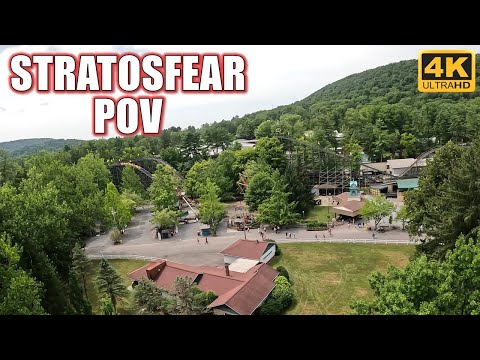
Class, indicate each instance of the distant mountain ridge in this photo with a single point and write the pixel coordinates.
(25, 147)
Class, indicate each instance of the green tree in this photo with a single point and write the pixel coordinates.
(191, 144)
(38, 222)
(197, 177)
(163, 190)
(165, 219)
(409, 144)
(277, 210)
(260, 188)
(265, 129)
(242, 157)
(79, 303)
(270, 151)
(376, 209)
(106, 306)
(445, 205)
(119, 208)
(133, 198)
(131, 182)
(110, 283)
(354, 153)
(8, 167)
(402, 215)
(283, 292)
(217, 137)
(190, 300)
(81, 264)
(20, 294)
(271, 306)
(151, 300)
(428, 287)
(283, 272)
(211, 210)
(298, 185)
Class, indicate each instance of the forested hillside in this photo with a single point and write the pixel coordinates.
(31, 146)
(380, 109)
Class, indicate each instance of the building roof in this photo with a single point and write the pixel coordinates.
(242, 265)
(400, 163)
(407, 183)
(248, 249)
(246, 298)
(379, 186)
(325, 186)
(350, 206)
(343, 197)
(242, 292)
(380, 166)
(346, 206)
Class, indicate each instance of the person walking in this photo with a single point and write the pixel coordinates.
(373, 235)
(324, 236)
(316, 236)
(198, 241)
(286, 235)
(206, 240)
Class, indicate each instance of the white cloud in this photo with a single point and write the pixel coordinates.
(277, 75)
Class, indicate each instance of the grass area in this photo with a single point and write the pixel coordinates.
(319, 213)
(123, 267)
(325, 277)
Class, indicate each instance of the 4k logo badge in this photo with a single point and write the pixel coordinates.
(446, 71)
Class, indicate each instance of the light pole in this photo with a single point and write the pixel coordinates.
(114, 213)
(244, 225)
(328, 210)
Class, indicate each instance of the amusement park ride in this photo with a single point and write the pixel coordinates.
(146, 167)
(325, 169)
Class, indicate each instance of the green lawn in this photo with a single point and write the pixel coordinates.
(319, 213)
(326, 276)
(123, 267)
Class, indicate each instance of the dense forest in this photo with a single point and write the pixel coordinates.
(50, 201)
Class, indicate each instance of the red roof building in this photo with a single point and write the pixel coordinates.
(238, 293)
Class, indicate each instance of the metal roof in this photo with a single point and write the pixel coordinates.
(407, 183)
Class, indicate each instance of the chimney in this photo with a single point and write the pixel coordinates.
(155, 269)
(227, 270)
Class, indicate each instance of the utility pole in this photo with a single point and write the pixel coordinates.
(244, 225)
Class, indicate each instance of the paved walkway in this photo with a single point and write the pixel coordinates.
(139, 239)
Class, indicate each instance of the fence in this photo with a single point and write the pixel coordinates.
(120, 256)
(353, 241)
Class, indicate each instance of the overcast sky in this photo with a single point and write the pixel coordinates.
(277, 75)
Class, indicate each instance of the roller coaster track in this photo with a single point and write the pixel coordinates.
(332, 153)
(148, 174)
(408, 172)
(422, 156)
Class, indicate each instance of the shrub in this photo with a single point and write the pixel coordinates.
(116, 236)
(283, 272)
(278, 251)
(271, 307)
(316, 226)
(283, 292)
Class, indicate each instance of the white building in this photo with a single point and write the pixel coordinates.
(260, 251)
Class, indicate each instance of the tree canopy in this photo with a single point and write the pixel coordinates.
(425, 287)
(376, 209)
